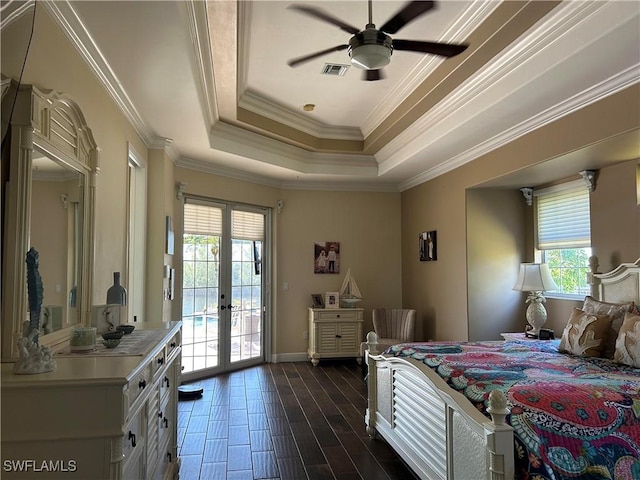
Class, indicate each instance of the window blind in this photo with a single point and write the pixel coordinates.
(202, 220)
(247, 225)
(563, 217)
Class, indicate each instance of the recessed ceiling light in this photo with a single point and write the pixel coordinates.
(309, 107)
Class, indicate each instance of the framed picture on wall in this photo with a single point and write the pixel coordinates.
(332, 300)
(428, 246)
(326, 257)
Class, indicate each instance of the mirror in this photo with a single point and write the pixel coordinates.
(50, 161)
(56, 224)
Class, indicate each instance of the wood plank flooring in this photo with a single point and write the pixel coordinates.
(286, 421)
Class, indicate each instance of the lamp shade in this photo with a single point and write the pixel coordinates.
(534, 277)
(370, 57)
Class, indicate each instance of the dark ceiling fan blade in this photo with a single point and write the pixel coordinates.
(322, 15)
(297, 61)
(372, 75)
(409, 12)
(444, 49)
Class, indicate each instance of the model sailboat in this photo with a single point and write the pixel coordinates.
(349, 292)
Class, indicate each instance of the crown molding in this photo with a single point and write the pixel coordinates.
(238, 141)
(272, 110)
(207, 167)
(334, 184)
(166, 145)
(611, 86)
(513, 68)
(199, 29)
(12, 10)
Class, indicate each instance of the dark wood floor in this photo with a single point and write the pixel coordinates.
(283, 421)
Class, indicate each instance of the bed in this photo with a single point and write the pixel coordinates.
(519, 409)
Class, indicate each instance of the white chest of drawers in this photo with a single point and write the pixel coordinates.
(334, 333)
(96, 417)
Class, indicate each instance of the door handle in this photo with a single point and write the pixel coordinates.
(222, 307)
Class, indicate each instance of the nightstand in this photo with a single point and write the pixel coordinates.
(335, 333)
(514, 336)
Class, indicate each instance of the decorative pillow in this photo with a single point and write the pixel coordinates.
(628, 342)
(585, 333)
(616, 311)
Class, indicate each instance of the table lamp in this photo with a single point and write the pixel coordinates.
(535, 278)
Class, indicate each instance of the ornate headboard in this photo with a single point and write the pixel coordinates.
(620, 285)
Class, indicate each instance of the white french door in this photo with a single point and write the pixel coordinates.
(224, 301)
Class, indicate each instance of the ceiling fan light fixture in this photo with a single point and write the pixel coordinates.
(370, 57)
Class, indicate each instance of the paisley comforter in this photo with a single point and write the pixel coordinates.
(573, 417)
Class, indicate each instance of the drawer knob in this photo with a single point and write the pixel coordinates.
(142, 384)
(132, 437)
(338, 315)
(160, 361)
(173, 344)
(338, 336)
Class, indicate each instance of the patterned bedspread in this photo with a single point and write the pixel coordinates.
(573, 417)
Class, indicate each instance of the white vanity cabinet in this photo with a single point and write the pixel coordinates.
(334, 333)
(97, 416)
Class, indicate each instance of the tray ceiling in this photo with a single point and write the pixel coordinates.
(209, 82)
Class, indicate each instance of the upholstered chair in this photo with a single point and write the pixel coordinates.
(395, 325)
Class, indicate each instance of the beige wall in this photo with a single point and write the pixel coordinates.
(615, 231)
(439, 290)
(496, 238)
(160, 204)
(367, 225)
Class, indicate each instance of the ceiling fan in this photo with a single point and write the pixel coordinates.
(370, 49)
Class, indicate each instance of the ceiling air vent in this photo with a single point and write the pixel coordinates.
(334, 69)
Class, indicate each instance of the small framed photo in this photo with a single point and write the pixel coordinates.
(318, 301)
(332, 300)
(326, 257)
(428, 246)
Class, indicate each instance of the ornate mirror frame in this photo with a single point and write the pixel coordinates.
(55, 125)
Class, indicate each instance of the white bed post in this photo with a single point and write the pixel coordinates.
(499, 439)
(372, 386)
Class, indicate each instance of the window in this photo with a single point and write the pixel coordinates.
(563, 235)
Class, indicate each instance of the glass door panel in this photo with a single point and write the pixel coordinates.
(246, 291)
(201, 327)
